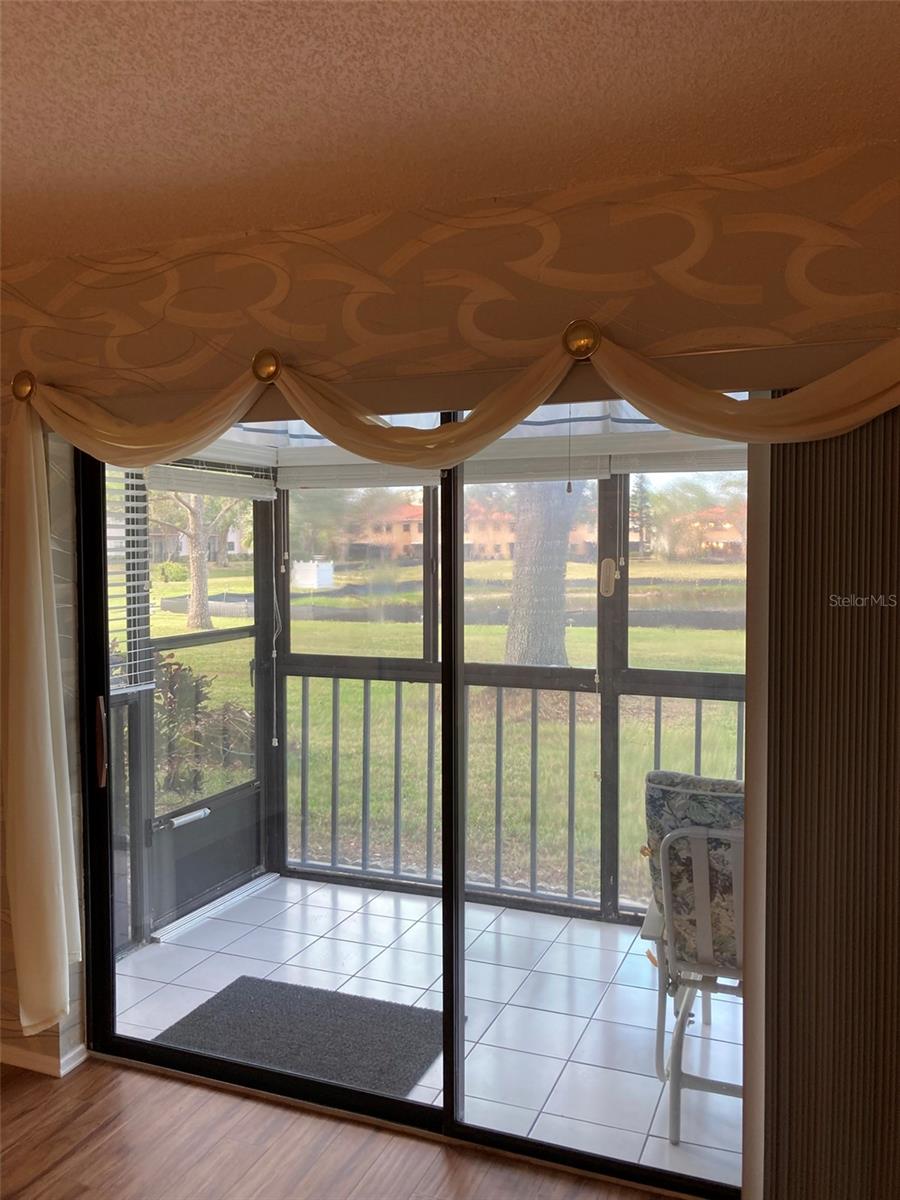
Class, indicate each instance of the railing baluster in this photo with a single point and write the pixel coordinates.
(498, 790)
(429, 790)
(398, 771)
(534, 788)
(570, 846)
(366, 761)
(739, 757)
(698, 737)
(304, 769)
(335, 765)
(657, 732)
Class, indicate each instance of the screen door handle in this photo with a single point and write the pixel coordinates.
(102, 755)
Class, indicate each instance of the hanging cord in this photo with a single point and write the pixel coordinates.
(569, 484)
(620, 510)
(276, 634)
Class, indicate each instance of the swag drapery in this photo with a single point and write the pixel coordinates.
(41, 873)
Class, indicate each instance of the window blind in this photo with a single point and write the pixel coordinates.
(128, 580)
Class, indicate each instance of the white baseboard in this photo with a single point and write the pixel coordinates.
(30, 1060)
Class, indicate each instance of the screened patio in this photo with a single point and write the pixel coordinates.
(275, 620)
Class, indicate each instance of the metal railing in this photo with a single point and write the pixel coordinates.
(533, 771)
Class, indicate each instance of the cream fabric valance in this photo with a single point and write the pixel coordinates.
(41, 876)
(831, 406)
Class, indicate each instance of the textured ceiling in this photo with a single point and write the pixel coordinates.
(134, 124)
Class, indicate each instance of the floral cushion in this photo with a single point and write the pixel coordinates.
(675, 801)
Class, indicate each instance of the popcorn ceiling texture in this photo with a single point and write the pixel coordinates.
(141, 123)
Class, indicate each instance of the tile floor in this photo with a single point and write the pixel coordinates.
(560, 1013)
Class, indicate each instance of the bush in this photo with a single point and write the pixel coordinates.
(169, 572)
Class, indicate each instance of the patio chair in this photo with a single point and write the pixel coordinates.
(695, 837)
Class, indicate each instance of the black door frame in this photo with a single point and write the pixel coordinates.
(99, 942)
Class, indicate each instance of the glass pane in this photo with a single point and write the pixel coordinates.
(120, 801)
(688, 571)
(201, 562)
(697, 737)
(363, 776)
(357, 575)
(204, 723)
(531, 573)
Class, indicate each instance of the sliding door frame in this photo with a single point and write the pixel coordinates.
(99, 946)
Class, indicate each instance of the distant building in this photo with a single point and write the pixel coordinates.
(713, 533)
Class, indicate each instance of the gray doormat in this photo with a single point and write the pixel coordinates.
(354, 1040)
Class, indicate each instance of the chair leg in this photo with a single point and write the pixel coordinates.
(707, 1008)
(661, 1005)
(675, 1058)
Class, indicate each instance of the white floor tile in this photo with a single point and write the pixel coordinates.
(620, 1047)
(377, 989)
(637, 971)
(217, 971)
(601, 935)
(702, 1162)
(328, 954)
(560, 993)
(584, 962)
(510, 1076)
(401, 904)
(427, 938)
(166, 1006)
(343, 896)
(714, 1060)
(490, 981)
(364, 926)
(727, 1022)
(161, 961)
(706, 1119)
(252, 910)
(605, 1097)
(537, 1032)
(478, 916)
(305, 977)
(424, 1095)
(143, 1032)
(273, 945)
(211, 934)
(507, 949)
(632, 1006)
(503, 1117)
(404, 967)
(478, 1016)
(289, 889)
(307, 918)
(129, 990)
(522, 923)
(589, 1137)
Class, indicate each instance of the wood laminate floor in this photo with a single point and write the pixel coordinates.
(108, 1131)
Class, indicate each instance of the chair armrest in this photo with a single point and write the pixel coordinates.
(654, 927)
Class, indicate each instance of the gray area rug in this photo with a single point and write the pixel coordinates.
(354, 1040)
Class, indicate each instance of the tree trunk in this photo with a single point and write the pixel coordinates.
(537, 609)
(198, 608)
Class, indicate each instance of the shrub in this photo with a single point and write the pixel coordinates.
(169, 572)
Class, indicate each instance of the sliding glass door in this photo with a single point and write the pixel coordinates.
(369, 828)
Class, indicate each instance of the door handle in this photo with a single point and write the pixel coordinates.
(607, 577)
(102, 754)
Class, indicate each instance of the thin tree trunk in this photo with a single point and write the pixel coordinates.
(537, 611)
(198, 608)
